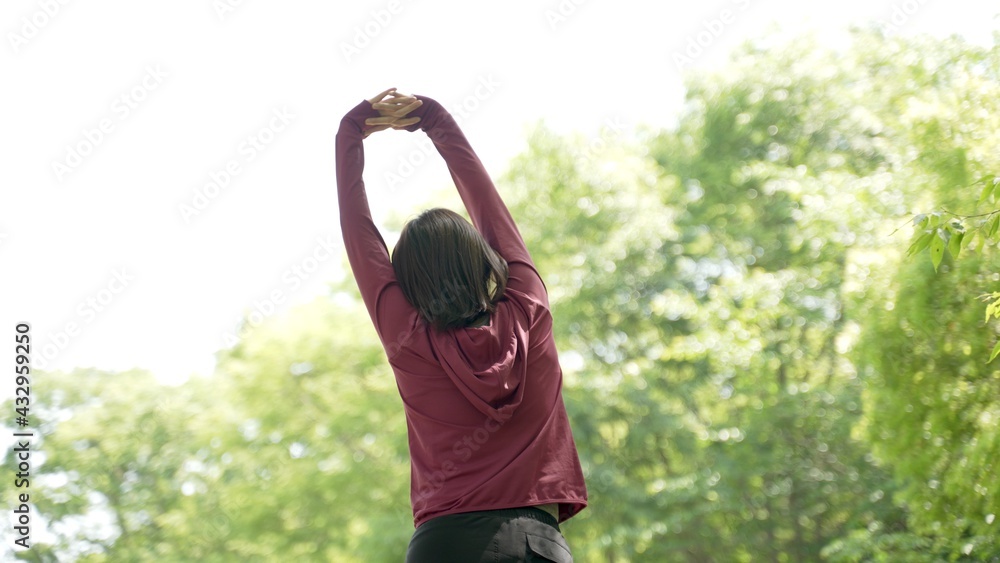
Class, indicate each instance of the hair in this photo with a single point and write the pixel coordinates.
(447, 270)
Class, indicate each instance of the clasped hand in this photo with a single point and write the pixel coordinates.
(392, 109)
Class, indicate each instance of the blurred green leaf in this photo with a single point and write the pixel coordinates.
(937, 246)
(921, 243)
(955, 244)
(995, 352)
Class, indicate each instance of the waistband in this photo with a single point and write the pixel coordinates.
(532, 513)
(528, 512)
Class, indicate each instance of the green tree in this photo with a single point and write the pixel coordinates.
(110, 467)
(703, 290)
(294, 448)
(932, 400)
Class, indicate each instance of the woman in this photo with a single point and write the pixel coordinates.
(464, 319)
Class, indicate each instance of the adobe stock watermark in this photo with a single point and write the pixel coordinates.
(561, 13)
(30, 26)
(461, 451)
(123, 106)
(602, 477)
(901, 13)
(612, 131)
(711, 30)
(246, 152)
(87, 310)
(225, 7)
(291, 280)
(367, 32)
(226, 509)
(408, 164)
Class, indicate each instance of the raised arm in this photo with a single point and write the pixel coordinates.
(366, 249)
(488, 212)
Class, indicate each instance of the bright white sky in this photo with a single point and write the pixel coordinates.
(98, 255)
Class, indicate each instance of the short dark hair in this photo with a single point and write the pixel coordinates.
(447, 270)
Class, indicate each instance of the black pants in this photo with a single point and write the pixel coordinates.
(489, 536)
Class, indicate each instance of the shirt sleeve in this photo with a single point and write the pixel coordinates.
(488, 212)
(366, 250)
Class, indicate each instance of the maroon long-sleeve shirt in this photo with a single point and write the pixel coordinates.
(486, 423)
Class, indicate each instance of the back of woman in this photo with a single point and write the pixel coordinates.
(464, 319)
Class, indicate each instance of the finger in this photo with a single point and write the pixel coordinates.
(398, 101)
(382, 95)
(412, 106)
(395, 97)
(405, 122)
(396, 110)
(376, 129)
(386, 106)
(383, 120)
(404, 100)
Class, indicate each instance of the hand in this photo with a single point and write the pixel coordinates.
(392, 108)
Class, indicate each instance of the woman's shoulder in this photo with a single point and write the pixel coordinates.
(525, 281)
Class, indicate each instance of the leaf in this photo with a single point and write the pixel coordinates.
(987, 190)
(918, 219)
(993, 307)
(994, 353)
(921, 242)
(970, 241)
(994, 223)
(937, 249)
(955, 244)
(985, 178)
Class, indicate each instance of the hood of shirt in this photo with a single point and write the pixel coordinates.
(487, 364)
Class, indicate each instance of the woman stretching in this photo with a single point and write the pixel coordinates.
(464, 320)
